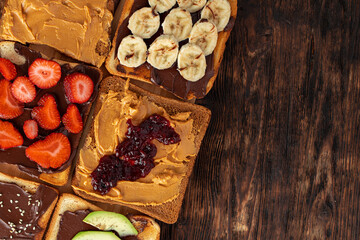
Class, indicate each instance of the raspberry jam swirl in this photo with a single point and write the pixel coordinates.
(134, 157)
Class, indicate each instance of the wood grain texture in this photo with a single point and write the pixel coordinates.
(281, 157)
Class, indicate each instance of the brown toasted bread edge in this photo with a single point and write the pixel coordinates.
(32, 187)
(167, 212)
(142, 73)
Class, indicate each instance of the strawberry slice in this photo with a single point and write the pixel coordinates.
(78, 87)
(7, 69)
(44, 73)
(52, 152)
(9, 136)
(9, 107)
(30, 129)
(47, 114)
(72, 119)
(23, 90)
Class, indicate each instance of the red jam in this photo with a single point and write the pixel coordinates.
(134, 157)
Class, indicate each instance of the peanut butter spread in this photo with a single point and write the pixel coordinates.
(78, 28)
(163, 182)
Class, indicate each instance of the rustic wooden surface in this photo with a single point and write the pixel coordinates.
(281, 158)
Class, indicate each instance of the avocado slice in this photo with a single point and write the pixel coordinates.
(111, 221)
(95, 235)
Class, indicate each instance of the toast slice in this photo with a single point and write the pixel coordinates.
(22, 57)
(76, 28)
(169, 81)
(147, 228)
(161, 192)
(31, 206)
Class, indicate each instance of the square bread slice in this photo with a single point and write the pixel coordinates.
(160, 193)
(147, 228)
(177, 85)
(38, 205)
(79, 29)
(22, 57)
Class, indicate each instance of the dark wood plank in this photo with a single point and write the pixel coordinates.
(281, 158)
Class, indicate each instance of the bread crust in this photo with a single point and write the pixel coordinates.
(31, 187)
(70, 202)
(167, 212)
(142, 73)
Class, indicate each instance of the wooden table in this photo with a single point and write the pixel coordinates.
(281, 158)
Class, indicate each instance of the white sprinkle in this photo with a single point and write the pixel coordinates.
(16, 201)
(33, 228)
(11, 201)
(9, 210)
(18, 195)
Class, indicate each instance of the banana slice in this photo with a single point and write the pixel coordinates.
(132, 51)
(191, 5)
(162, 5)
(178, 23)
(205, 35)
(163, 52)
(217, 11)
(191, 62)
(144, 23)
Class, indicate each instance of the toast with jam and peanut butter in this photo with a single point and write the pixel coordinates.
(140, 150)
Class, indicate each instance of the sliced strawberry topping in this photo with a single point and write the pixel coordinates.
(9, 107)
(72, 119)
(9, 136)
(23, 90)
(7, 69)
(52, 152)
(78, 87)
(47, 114)
(44, 73)
(30, 129)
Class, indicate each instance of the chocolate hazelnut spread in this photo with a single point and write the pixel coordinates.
(20, 211)
(17, 155)
(170, 78)
(72, 222)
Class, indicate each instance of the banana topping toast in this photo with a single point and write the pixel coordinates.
(176, 46)
(140, 150)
